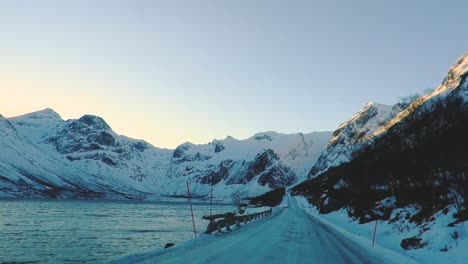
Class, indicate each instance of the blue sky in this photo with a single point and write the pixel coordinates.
(176, 71)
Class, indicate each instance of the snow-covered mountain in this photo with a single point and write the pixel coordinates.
(89, 144)
(352, 135)
(246, 167)
(87, 149)
(410, 172)
(454, 85)
(25, 170)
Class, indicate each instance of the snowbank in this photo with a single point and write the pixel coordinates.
(439, 235)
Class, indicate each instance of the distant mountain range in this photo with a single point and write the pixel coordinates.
(43, 155)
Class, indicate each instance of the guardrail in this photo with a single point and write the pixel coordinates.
(230, 219)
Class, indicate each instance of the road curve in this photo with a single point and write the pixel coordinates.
(288, 236)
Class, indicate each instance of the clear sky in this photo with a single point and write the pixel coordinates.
(175, 71)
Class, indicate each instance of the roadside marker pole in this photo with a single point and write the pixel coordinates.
(377, 220)
(191, 209)
(211, 201)
(211, 196)
(375, 231)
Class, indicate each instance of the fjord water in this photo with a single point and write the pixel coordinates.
(89, 231)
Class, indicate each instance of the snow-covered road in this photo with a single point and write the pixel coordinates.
(288, 236)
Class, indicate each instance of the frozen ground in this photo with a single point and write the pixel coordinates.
(290, 235)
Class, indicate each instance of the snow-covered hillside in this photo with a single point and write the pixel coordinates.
(247, 167)
(25, 170)
(88, 144)
(374, 120)
(454, 84)
(349, 136)
(411, 171)
(89, 150)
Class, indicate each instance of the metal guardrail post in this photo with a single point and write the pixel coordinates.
(237, 220)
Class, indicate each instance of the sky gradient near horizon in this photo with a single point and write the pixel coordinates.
(176, 71)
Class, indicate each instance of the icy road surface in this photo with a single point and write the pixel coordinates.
(288, 236)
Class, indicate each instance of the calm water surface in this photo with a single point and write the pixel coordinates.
(83, 231)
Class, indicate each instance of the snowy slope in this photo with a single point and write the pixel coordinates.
(375, 119)
(90, 145)
(246, 167)
(352, 134)
(455, 82)
(412, 175)
(137, 169)
(27, 171)
(440, 239)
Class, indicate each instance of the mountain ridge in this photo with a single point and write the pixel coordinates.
(89, 144)
(412, 171)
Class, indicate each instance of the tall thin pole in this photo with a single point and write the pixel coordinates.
(191, 209)
(211, 196)
(211, 202)
(377, 221)
(375, 231)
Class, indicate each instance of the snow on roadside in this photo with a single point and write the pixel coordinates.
(445, 244)
(133, 258)
(389, 236)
